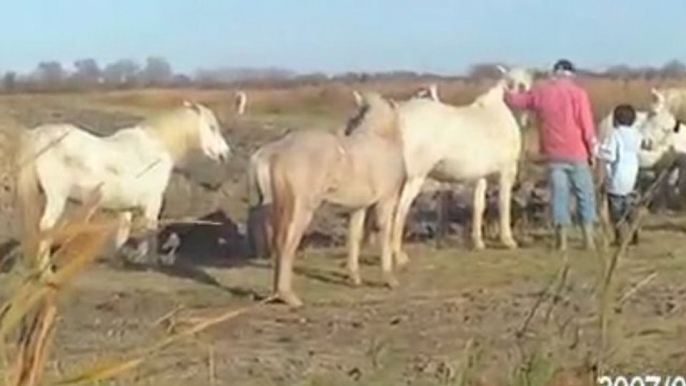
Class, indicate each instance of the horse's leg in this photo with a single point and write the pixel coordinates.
(355, 229)
(479, 205)
(296, 225)
(369, 229)
(441, 228)
(258, 232)
(55, 202)
(507, 178)
(253, 232)
(123, 230)
(149, 244)
(410, 191)
(268, 234)
(384, 212)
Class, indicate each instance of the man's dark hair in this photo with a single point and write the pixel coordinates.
(624, 115)
(564, 65)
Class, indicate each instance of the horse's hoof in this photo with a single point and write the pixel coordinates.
(290, 299)
(510, 244)
(479, 246)
(391, 281)
(401, 260)
(355, 279)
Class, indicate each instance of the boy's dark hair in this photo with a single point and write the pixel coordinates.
(624, 115)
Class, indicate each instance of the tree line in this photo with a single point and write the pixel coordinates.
(88, 74)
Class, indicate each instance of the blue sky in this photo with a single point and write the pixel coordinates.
(443, 36)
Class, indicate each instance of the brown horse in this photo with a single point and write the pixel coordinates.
(358, 170)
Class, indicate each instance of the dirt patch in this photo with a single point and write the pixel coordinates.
(455, 309)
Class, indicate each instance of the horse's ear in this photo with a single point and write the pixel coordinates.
(358, 98)
(433, 90)
(657, 96)
(192, 105)
(502, 69)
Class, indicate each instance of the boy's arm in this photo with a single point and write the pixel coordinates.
(608, 149)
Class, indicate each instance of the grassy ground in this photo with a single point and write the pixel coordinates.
(454, 307)
(459, 316)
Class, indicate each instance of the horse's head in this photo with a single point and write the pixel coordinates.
(673, 98)
(212, 142)
(658, 100)
(660, 125)
(375, 114)
(517, 79)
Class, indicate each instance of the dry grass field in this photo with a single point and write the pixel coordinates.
(497, 317)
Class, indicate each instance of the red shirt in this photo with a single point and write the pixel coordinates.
(567, 129)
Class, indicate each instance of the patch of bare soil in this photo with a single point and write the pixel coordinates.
(496, 310)
(494, 313)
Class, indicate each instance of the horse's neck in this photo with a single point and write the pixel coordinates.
(174, 143)
(387, 134)
(493, 95)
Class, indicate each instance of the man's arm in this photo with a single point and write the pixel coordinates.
(521, 100)
(585, 119)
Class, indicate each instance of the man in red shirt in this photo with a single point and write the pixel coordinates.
(568, 145)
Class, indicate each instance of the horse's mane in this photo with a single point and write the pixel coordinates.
(377, 116)
(356, 120)
(493, 94)
(175, 128)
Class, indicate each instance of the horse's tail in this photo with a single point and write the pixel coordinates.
(283, 206)
(258, 196)
(29, 196)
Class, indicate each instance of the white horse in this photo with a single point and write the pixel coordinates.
(130, 169)
(664, 133)
(241, 102)
(673, 98)
(456, 144)
(662, 130)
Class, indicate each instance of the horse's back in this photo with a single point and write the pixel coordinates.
(129, 165)
(304, 149)
(467, 140)
(54, 133)
(355, 170)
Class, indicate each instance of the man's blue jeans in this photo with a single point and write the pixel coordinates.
(575, 177)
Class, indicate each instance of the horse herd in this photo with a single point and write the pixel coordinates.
(375, 166)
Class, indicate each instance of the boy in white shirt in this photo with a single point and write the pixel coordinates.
(620, 155)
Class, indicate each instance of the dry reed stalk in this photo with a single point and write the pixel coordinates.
(606, 289)
(34, 341)
(211, 366)
(636, 287)
(114, 368)
(32, 309)
(37, 316)
(556, 284)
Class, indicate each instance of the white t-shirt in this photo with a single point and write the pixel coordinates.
(620, 153)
